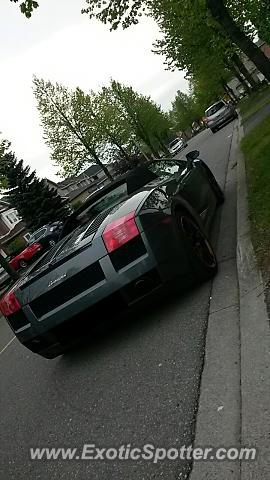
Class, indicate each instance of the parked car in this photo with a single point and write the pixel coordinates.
(125, 242)
(23, 259)
(219, 114)
(196, 127)
(4, 277)
(47, 236)
(176, 146)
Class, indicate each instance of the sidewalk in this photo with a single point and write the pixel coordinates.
(234, 406)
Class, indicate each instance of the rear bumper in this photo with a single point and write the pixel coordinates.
(112, 293)
(179, 149)
(223, 121)
(108, 298)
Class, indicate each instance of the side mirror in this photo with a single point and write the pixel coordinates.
(171, 188)
(191, 156)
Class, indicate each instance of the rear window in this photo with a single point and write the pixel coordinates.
(174, 142)
(37, 235)
(214, 109)
(109, 200)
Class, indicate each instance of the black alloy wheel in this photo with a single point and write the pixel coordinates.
(199, 249)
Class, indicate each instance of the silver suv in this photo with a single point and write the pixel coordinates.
(219, 114)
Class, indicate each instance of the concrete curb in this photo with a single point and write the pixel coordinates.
(219, 419)
(234, 405)
(255, 340)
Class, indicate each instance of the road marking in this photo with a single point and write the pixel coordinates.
(7, 345)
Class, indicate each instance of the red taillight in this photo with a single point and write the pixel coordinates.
(120, 232)
(34, 247)
(9, 304)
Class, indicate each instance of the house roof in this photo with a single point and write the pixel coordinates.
(67, 181)
(4, 204)
(18, 228)
(89, 172)
(92, 187)
(93, 170)
(51, 182)
(260, 43)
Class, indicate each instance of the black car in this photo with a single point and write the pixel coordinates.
(126, 241)
(47, 236)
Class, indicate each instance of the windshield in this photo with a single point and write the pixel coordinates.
(165, 169)
(174, 142)
(214, 109)
(87, 214)
(37, 235)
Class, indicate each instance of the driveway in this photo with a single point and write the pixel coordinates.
(137, 383)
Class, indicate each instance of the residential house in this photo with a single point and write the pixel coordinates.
(11, 227)
(77, 189)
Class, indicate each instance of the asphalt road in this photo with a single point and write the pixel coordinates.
(137, 383)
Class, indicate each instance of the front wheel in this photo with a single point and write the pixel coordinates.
(23, 264)
(200, 252)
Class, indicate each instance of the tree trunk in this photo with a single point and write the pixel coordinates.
(140, 149)
(101, 165)
(223, 17)
(12, 273)
(121, 149)
(162, 145)
(235, 71)
(229, 91)
(244, 71)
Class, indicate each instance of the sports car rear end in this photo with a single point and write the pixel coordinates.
(104, 268)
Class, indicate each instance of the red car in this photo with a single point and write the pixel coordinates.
(22, 259)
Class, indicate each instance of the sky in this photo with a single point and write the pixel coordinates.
(60, 44)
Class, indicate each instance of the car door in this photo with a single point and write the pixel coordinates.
(187, 180)
(195, 188)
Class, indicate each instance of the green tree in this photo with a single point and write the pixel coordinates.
(145, 119)
(183, 111)
(4, 148)
(255, 13)
(207, 53)
(115, 129)
(4, 145)
(222, 15)
(126, 13)
(35, 202)
(70, 128)
(261, 20)
(27, 7)
(116, 12)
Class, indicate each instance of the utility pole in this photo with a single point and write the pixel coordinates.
(10, 271)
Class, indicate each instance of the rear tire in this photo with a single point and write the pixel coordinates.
(202, 258)
(214, 130)
(23, 264)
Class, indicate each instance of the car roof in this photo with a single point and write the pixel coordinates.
(39, 229)
(214, 104)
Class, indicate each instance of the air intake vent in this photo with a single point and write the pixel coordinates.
(70, 288)
(97, 222)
